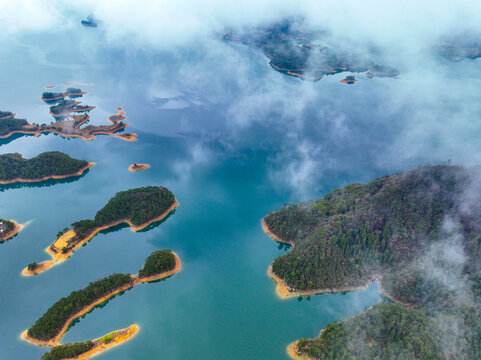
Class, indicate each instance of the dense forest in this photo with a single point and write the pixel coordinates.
(9, 125)
(386, 331)
(158, 262)
(137, 205)
(68, 351)
(5, 113)
(49, 325)
(46, 164)
(419, 233)
(51, 95)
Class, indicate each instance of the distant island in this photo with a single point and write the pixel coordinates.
(382, 71)
(458, 47)
(405, 231)
(138, 167)
(349, 80)
(48, 165)
(65, 128)
(8, 229)
(49, 329)
(90, 22)
(87, 349)
(294, 52)
(138, 208)
(6, 115)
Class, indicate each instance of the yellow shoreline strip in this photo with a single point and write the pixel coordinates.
(59, 256)
(55, 177)
(11, 234)
(135, 280)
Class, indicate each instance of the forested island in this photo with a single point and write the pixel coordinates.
(294, 52)
(49, 329)
(138, 208)
(87, 349)
(418, 233)
(458, 47)
(6, 115)
(48, 165)
(73, 126)
(8, 229)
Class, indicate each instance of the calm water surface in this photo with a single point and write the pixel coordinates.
(227, 164)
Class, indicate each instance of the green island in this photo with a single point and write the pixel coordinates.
(138, 208)
(49, 329)
(68, 350)
(8, 229)
(48, 165)
(417, 233)
(87, 349)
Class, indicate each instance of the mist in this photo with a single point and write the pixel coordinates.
(319, 129)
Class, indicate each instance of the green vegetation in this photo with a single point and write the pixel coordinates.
(107, 338)
(52, 95)
(6, 226)
(32, 266)
(5, 113)
(62, 107)
(360, 231)
(68, 351)
(14, 166)
(73, 91)
(136, 205)
(386, 331)
(158, 262)
(49, 325)
(418, 231)
(12, 124)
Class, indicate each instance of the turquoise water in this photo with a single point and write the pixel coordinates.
(231, 151)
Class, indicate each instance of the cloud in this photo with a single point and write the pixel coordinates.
(429, 114)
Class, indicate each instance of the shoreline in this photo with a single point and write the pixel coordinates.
(50, 177)
(135, 280)
(60, 256)
(11, 234)
(36, 131)
(120, 336)
(274, 236)
(285, 292)
(291, 351)
(139, 167)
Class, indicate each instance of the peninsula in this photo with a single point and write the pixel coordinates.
(296, 52)
(138, 167)
(138, 208)
(49, 329)
(6, 115)
(48, 165)
(71, 127)
(8, 229)
(87, 349)
(403, 230)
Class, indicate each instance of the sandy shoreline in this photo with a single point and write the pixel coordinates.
(284, 291)
(51, 177)
(120, 336)
(139, 167)
(135, 280)
(291, 351)
(60, 256)
(36, 131)
(11, 234)
(274, 236)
